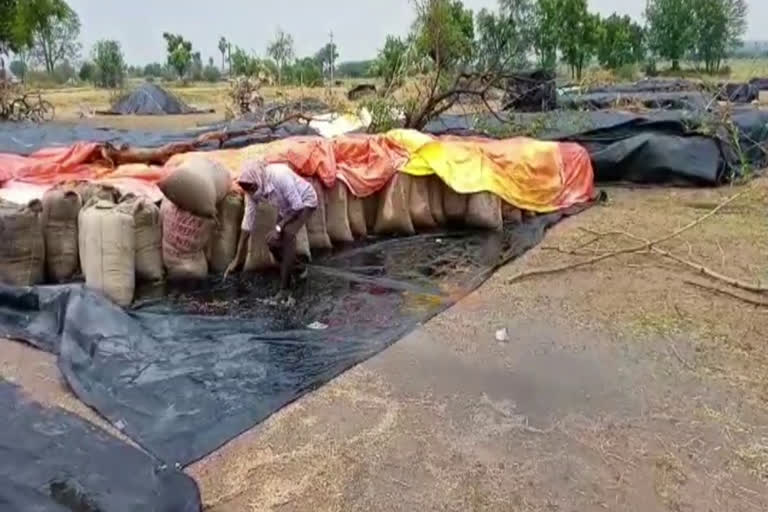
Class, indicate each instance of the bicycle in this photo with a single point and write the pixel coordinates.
(28, 107)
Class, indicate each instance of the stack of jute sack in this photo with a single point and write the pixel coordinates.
(118, 240)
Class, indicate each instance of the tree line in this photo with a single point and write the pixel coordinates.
(543, 33)
(446, 35)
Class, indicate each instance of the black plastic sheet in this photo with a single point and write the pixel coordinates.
(187, 371)
(26, 138)
(53, 461)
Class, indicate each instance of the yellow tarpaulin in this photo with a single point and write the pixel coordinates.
(527, 173)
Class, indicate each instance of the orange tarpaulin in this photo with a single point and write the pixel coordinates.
(529, 174)
(52, 165)
(309, 156)
(366, 163)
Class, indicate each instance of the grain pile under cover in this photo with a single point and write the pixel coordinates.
(150, 100)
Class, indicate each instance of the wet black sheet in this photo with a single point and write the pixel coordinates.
(186, 372)
(53, 461)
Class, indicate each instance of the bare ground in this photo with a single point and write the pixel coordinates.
(620, 388)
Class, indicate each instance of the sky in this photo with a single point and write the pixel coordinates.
(359, 26)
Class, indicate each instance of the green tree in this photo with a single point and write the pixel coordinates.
(326, 57)
(718, 27)
(391, 61)
(154, 70)
(195, 71)
(617, 43)
(32, 17)
(223, 47)
(355, 69)
(244, 64)
(306, 72)
(8, 32)
(671, 29)
(211, 73)
(109, 64)
(639, 39)
(64, 72)
(503, 39)
(547, 23)
(87, 71)
(57, 40)
(579, 35)
(179, 53)
(282, 52)
(445, 31)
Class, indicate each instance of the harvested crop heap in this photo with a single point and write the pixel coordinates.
(150, 100)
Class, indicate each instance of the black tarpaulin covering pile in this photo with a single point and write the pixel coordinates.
(150, 100)
(661, 93)
(53, 461)
(184, 373)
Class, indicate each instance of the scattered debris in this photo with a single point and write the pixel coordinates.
(502, 335)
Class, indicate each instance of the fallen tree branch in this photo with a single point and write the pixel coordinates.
(125, 154)
(732, 281)
(722, 291)
(643, 247)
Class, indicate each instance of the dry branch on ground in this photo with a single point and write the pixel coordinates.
(650, 246)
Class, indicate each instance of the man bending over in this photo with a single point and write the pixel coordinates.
(292, 196)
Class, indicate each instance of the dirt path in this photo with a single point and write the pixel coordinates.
(620, 388)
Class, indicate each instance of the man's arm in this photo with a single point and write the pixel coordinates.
(240, 254)
(242, 248)
(245, 236)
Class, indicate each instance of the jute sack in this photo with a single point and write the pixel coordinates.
(197, 185)
(302, 244)
(484, 211)
(356, 214)
(393, 216)
(87, 190)
(316, 227)
(436, 187)
(259, 256)
(185, 238)
(371, 211)
(22, 251)
(223, 244)
(148, 234)
(61, 207)
(511, 214)
(336, 216)
(418, 201)
(454, 206)
(108, 242)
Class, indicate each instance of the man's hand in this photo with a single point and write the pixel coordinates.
(273, 237)
(232, 268)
